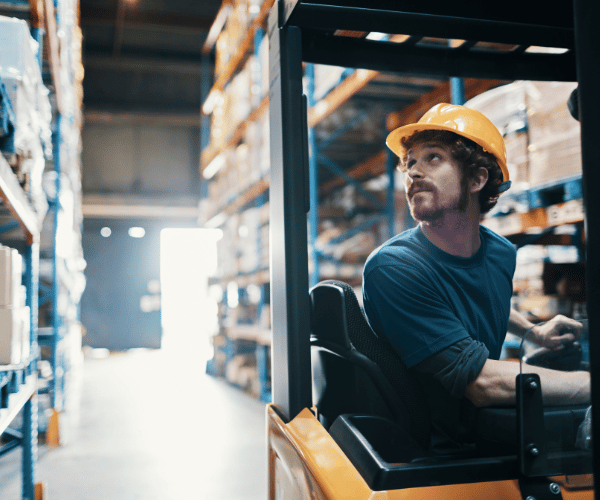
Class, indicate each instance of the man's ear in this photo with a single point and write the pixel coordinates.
(478, 180)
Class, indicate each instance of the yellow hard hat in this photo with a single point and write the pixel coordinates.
(462, 121)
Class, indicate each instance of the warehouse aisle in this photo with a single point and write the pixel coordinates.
(152, 426)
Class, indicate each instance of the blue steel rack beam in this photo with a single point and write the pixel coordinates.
(316, 157)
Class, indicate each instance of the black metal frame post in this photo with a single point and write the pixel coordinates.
(587, 43)
(289, 204)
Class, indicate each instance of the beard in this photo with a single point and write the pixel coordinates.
(434, 212)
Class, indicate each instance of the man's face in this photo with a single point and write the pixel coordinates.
(434, 182)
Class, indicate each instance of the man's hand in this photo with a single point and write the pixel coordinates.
(556, 333)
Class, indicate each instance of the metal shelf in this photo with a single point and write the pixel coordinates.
(211, 152)
(236, 62)
(238, 201)
(15, 200)
(543, 214)
(17, 401)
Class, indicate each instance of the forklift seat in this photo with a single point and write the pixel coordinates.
(355, 372)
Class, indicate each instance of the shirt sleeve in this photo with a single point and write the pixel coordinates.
(404, 306)
(455, 367)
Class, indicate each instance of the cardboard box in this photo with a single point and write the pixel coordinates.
(6, 277)
(517, 155)
(11, 346)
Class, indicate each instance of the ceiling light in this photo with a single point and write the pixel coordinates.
(137, 232)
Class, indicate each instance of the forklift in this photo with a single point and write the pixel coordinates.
(346, 419)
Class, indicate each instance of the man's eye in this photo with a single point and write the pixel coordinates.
(434, 157)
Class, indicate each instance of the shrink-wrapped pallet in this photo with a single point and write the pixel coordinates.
(14, 314)
(554, 135)
(20, 73)
(542, 138)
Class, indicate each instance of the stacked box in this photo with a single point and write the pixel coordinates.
(542, 138)
(264, 238)
(21, 75)
(252, 139)
(233, 33)
(554, 135)
(218, 138)
(263, 61)
(517, 152)
(236, 101)
(265, 144)
(248, 232)
(14, 314)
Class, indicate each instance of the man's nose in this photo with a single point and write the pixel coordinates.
(415, 171)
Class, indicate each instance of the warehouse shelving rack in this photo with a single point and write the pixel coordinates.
(45, 20)
(18, 383)
(351, 85)
(302, 31)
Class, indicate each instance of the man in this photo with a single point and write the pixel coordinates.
(440, 293)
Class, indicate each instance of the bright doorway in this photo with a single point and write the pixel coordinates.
(188, 257)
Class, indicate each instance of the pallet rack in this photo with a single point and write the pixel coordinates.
(60, 65)
(18, 383)
(411, 97)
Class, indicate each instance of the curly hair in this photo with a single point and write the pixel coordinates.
(469, 155)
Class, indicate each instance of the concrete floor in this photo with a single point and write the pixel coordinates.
(152, 426)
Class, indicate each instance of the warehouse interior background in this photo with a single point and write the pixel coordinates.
(171, 183)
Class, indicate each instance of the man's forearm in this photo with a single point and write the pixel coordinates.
(496, 385)
(518, 324)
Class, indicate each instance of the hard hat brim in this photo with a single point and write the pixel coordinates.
(395, 137)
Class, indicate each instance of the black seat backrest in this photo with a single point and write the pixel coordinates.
(354, 371)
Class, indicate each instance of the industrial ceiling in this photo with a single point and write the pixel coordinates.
(144, 55)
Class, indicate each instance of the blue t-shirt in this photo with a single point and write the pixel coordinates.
(423, 300)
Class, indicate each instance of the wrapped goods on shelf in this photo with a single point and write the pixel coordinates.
(554, 135)
(265, 144)
(15, 280)
(542, 139)
(236, 101)
(222, 52)
(517, 144)
(254, 69)
(218, 138)
(10, 336)
(20, 73)
(248, 234)
(252, 139)
(6, 276)
(505, 106)
(14, 314)
(233, 33)
(264, 250)
(263, 61)
(241, 167)
(70, 55)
